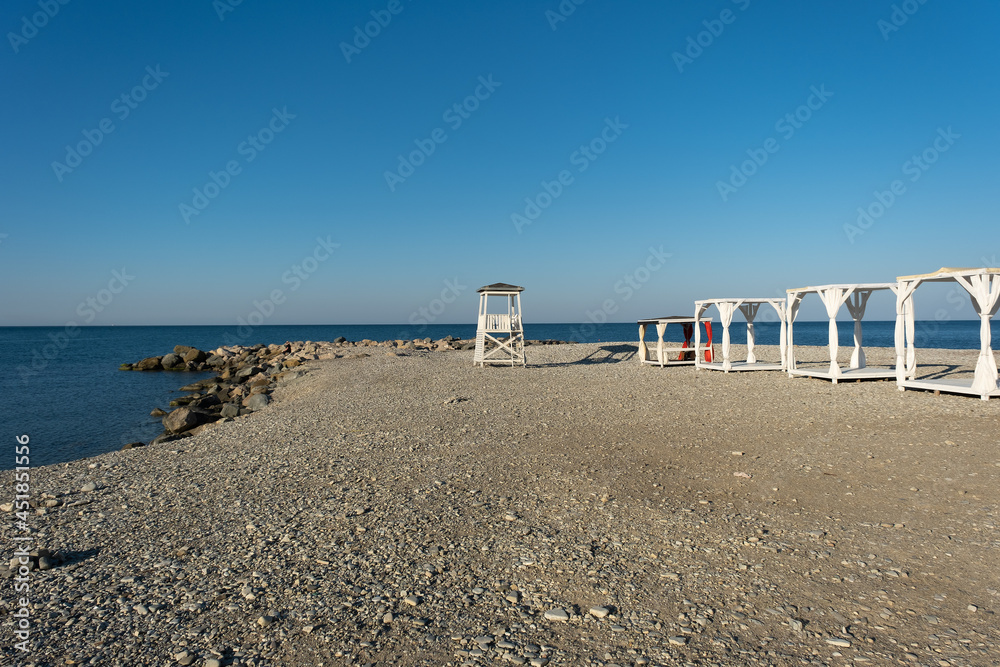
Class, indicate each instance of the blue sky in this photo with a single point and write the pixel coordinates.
(645, 154)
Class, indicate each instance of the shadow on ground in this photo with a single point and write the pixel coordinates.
(606, 354)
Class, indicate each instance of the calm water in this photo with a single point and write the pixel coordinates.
(65, 391)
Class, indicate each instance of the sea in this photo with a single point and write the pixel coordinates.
(61, 387)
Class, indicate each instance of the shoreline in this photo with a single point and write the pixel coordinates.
(406, 508)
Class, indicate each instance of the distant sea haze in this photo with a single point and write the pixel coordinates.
(63, 387)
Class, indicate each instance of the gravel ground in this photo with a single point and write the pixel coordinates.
(405, 508)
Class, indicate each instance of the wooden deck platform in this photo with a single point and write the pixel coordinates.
(737, 366)
(952, 386)
(846, 374)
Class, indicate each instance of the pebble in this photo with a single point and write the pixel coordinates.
(838, 642)
(88, 487)
(556, 615)
(678, 640)
(599, 612)
(412, 600)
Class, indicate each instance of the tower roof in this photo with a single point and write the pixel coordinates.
(500, 287)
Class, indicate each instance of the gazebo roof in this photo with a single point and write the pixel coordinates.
(947, 273)
(852, 286)
(502, 288)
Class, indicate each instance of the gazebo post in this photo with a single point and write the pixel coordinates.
(794, 302)
(782, 335)
(903, 292)
(699, 310)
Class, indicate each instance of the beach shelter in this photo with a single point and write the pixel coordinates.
(749, 308)
(983, 286)
(685, 353)
(855, 296)
(500, 335)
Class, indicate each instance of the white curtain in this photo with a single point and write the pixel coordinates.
(856, 307)
(985, 292)
(904, 298)
(794, 301)
(726, 309)
(750, 312)
(833, 298)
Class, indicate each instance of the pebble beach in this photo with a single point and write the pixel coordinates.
(397, 506)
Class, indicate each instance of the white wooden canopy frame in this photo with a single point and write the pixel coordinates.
(664, 350)
(855, 296)
(983, 286)
(500, 336)
(749, 308)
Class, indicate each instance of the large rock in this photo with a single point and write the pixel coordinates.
(186, 418)
(149, 364)
(215, 361)
(206, 401)
(171, 360)
(230, 411)
(188, 353)
(247, 371)
(256, 401)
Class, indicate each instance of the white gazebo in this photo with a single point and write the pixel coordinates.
(983, 286)
(663, 350)
(749, 308)
(500, 336)
(833, 297)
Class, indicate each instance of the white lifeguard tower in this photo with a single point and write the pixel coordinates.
(500, 336)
